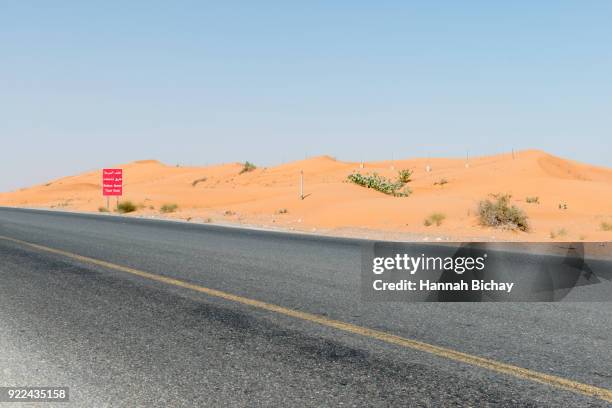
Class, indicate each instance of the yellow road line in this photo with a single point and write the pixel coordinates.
(496, 366)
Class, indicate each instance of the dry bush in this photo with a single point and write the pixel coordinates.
(606, 226)
(499, 213)
(168, 208)
(558, 233)
(441, 182)
(126, 207)
(200, 180)
(434, 219)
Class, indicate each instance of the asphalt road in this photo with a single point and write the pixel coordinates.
(121, 340)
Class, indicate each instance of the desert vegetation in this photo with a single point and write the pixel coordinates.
(499, 213)
(197, 181)
(404, 176)
(434, 219)
(168, 208)
(558, 233)
(102, 209)
(126, 207)
(247, 167)
(532, 200)
(606, 226)
(379, 183)
(441, 182)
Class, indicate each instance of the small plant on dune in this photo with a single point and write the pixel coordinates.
(558, 233)
(247, 166)
(606, 226)
(404, 176)
(500, 214)
(403, 192)
(200, 180)
(207, 220)
(434, 219)
(379, 183)
(441, 182)
(126, 207)
(532, 200)
(103, 209)
(168, 208)
(229, 213)
(562, 206)
(282, 211)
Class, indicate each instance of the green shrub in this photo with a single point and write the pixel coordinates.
(533, 200)
(606, 226)
(168, 208)
(248, 166)
(379, 183)
(500, 214)
(126, 207)
(435, 218)
(404, 175)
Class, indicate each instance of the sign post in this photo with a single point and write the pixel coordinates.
(112, 184)
(301, 184)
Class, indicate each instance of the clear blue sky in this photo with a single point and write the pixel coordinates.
(88, 84)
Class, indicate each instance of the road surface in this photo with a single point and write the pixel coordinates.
(75, 312)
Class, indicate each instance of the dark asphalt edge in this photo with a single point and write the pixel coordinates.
(291, 235)
(117, 218)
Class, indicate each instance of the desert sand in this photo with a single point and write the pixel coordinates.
(270, 197)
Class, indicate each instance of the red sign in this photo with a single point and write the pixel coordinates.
(112, 182)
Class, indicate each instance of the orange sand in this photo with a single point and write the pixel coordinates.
(334, 206)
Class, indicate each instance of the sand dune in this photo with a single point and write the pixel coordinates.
(220, 194)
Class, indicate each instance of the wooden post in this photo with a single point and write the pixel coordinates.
(301, 184)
